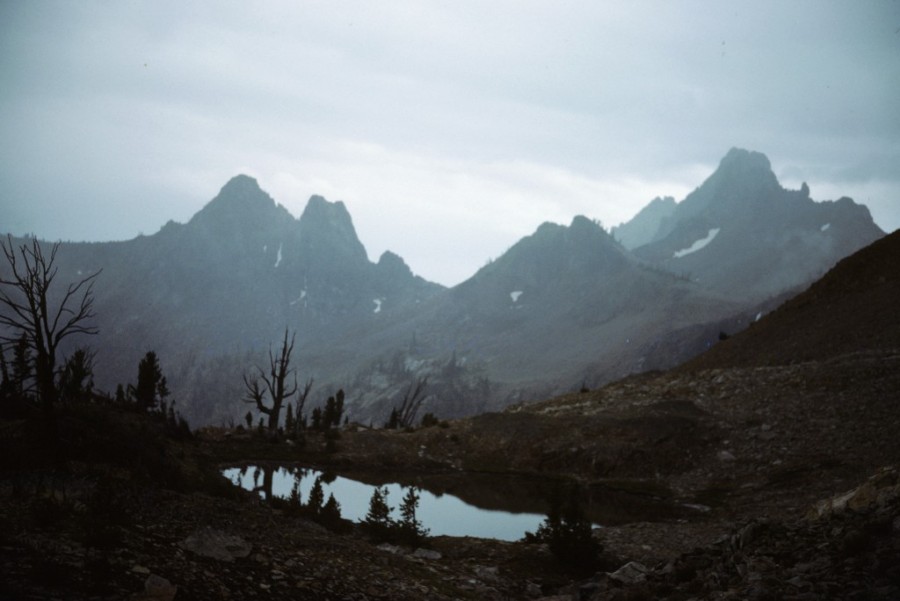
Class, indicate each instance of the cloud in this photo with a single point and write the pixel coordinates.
(467, 124)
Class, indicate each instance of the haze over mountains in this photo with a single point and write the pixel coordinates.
(564, 306)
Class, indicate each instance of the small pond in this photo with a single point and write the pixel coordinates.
(479, 505)
(442, 514)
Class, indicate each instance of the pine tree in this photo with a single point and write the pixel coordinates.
(328, 415)
(339, 407)
(378, 522)
(316, 498)
(77, 380)
(330, 517)
(568, 534)
(411, 530)
(151, 385)
(21, 366)
(289, 421)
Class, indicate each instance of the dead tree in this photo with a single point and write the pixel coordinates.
(412, 400)
(30, 311)
(275, 385)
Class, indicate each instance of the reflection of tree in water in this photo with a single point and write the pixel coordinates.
(264, 478)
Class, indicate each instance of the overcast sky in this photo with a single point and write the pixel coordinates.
(450, 129)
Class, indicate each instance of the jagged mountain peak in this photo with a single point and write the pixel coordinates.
(325, 224)
(740, 158)
(239, 204)
(393, 263)
(554, 251)
(743, 181)
(322, 211)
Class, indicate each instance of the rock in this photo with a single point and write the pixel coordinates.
(532, 589)
(137, 569)
(209, 542)
(725, 456)
(631, 573)
(880, 488)
(426, 554)
(389, 548)
(156, 588)
(490, 574)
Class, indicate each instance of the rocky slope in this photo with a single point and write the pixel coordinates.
(740, 479)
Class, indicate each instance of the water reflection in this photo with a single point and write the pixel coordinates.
(442, 514)
(459, 504)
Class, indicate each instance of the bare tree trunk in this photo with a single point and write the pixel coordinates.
(25, 295)
(274, 384)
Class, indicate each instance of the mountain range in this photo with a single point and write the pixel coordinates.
(566, 307)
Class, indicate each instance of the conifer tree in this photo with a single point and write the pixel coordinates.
(151, 388)
(77, 379)
(316, 497)
(289, 420)
(330, 516)
(411, 530)
(567, 532)
(378, 522)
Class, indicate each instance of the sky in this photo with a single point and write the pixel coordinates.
(450, 129)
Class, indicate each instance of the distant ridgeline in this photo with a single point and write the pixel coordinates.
(564, 307)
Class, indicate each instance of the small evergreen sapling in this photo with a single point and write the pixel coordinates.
(567, 532)
(411, 530)
(378, 523)
(316, 498)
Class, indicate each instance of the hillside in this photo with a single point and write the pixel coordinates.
(734, 481)
(853, 308)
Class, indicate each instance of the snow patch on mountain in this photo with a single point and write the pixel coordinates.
(377, 302)
(278, 258)
(824, 227)
(514, 295)
(699, 244)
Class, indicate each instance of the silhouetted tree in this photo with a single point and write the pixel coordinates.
(26, 292)
(409, 407)
(568, 533)
(21, 368)
(330, 516)
(289, 425)
(274, 385)
(151, 388)
(316, 497)
(410, 529)
(76, 383)
(378, 522)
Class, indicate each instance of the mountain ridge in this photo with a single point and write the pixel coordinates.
(564, 306)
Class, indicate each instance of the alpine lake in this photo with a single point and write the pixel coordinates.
(494, 506)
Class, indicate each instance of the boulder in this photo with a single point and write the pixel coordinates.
(209, 542)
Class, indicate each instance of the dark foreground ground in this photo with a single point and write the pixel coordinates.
(778, 478)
